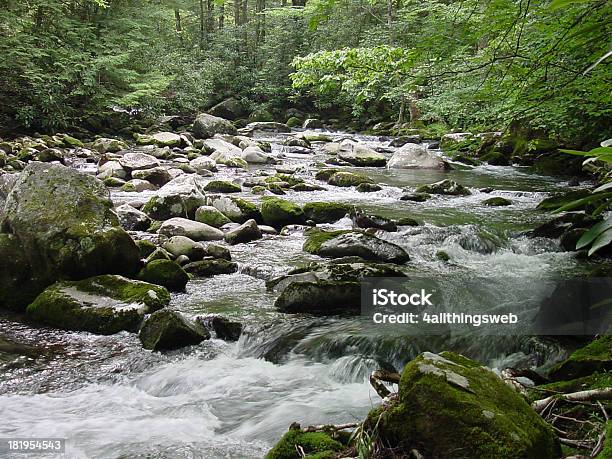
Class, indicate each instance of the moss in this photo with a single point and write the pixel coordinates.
(442, 256)
(71, 141)
(593, 381)
(346, 179)
(325, 212)
(368, 187)
(248, 209)
(278, 212)
(211, 216)
(294, 122)
(325, 174)
(166, 273)
(606, 452)
(495, 158)
(596, 356)
(145, 247)
(222, 186)
(407, 221)
(311, 443)
(128, 187)
(317, 237)
(258, 189)
(497, 201)
(276, 188)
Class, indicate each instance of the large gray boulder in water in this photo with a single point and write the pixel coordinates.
(62, 226)
(413, 156)
(206, 126)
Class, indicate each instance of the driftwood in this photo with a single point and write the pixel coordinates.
(583, 396)
(328, 427)
(576, 443)
(378, 377)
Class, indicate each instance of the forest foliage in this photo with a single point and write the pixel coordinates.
(463, 64)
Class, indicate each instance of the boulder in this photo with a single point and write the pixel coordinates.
(247, 232)
(132, 219)
(168, 330)
(368, 188)
(267, 126)
(206, 126)
(236, 209)
(414, 156)
(102, 304)
(255, 155)
(178, 198)
(567, 222)
(446, 187)
(111, 169)
(197, 231)
(167, 139)
(158, 176)
(346, 179)
(447, 401)
(211, 267)
(134, 161)
(278, 212)
(79, 236)
(230, 109)
(360, 155)
(225, 329)
(314, 445)
(497, 201)
(226, 153)
(165, 273)
(312, 123)
(222, 186)
(211, 216)
(403, 140)
(104, 145)
(138, 186)
(338, 244)
(363, 220)
(203, 165)
(182, 245)
(18, 286)
(325, 212)
(415, 197)
(594, 357)
(495, 158)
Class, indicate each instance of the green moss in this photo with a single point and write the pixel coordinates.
(248, 209)
(346, 179)
(596, 356)
(313, 443)
(211, 216)
(278, 212)
(606, 453)
(166, 273)
(258, 189)
(317, 237)
(368, 187)
(72, 142)
(325, 212)
(325, 174)
(495, 158)
(145, 247)
(222, 186)
(442, 256)
(593, 381)
(294, 122)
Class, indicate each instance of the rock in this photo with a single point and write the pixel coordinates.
(222, 186)
(138, 186)
(415, 197)
(208, 268)
(464, 159)
(403, 140)
(312, 123)
(315, 445)
(102, 304)
(230, 109)
(446, 187)
(206, 126)
(138, 161)
(203, 165)
(167, 139)
(360, 155)
(559, 200)
(197, 231)
(261, 114)
(362, 220)
(104, 145)
(448, 400)
(145, 247)
(567, 222)
(325, 174)
(158, 254)
(182, 245)
(113, 182)
(255, 155)
(346, 179)
(407, 221)
(226, 153)
(168, 330)
(294, 122)
(454, 138)
(414, 156)
(111, 169)
(236, 209)
(247, 232)
(165, 273)
(570, 238)
(368, 188)
(325, 212)
(158, 176)
(267, 126)
(495, 158)
(178, 198)
(594, 357)
(78, 236)
(497, 201)
(132, 219)
(225, 329)
(217, 251)
(278, 212)
(18, 286)
(338, 244)
(211, 216)
(320, 297)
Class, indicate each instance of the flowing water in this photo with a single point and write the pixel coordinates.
(112, 399)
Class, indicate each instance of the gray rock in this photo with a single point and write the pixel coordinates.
(132, 219)
(360, 155)
(413, 156)
(168, 330)
(206, 126)
(247, 232)
(158, 176)
(182, 245)
(137, 161)
(197, 231)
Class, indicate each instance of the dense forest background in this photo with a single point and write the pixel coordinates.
(68, 64)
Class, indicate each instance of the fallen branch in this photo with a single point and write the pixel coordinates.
(378, 377)
(582, 396)
(328, 427)
(576, 443)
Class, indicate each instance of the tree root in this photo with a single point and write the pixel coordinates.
(378, 377)
(583, 396)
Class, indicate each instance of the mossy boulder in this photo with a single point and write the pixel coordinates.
(222, 186)
(497, 201)
(18, 285)
(451, 406)
(294, 122)
(165, 273)
(325, 212)
(236, 209)
(314, 444)
(168, 330)
(145, 247)
(596, 356)
(368, 187)
(211, 216)
(346, 179)
(320, 297)
(178, 198)
(325, 174)
(102, 304)
(445, 187)
(247, 232)
(79, 236)
(225, 329)
(495, 158)
(206, 126)
(278, 212)
(211, 267)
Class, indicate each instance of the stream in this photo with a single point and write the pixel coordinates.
(112, 399)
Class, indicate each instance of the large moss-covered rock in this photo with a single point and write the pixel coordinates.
(338, 244)
(222, 186)
(278, 212)
(236, 209)
(596, 356)
(211, 267)
(346, 179)
(316, 445)
(102, 304)
(446, 187)
(178, 198)
(165, 273)
(167, 330)
(360, 155)
(211, 216)
(325, 212)
(320, 297)
(206, 126)
(18, 286)
(230, 109)
(450, 406)
(78, 236)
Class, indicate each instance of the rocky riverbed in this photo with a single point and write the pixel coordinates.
(238, 254)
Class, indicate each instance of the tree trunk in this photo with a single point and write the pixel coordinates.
(202, 25)
(245, 11)
(237, 11)
(221, 16)
(177, 18)
(298, 2)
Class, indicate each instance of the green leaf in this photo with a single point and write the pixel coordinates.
(556, 4)
(604, 187)
(588, 237)
(583, 201)
(602, 241)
